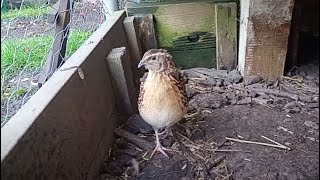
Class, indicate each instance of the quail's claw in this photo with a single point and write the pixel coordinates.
(160, 149)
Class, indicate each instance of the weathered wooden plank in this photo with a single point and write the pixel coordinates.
(66, 128)
(122, 80)
(226, 35)
(133, 47)
(57, 53)
(265, 32)
(146, 32)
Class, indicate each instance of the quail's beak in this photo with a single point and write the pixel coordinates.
(141, 63)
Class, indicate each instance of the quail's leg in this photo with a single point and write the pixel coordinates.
(167, 132)
(163, 132)
(159, 147)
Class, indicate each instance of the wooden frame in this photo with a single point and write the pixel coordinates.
(264, 32)
(65, 130)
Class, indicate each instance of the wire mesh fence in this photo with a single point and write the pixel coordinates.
(27, 38)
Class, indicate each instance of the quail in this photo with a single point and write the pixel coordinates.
(162, 99)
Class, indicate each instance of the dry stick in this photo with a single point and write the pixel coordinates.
(216, 161)
(292, 79)
(260, 143)
(188, 152)
(272, 141)
(276, 93)
(227, 172)
(136, 140)
(194, 145)
(230, 150)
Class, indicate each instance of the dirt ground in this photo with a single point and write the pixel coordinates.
(298, 131)
(200, 149)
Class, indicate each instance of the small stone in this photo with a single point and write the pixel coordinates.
(113, 169)
(219, 82)
(234, 76)
(199, 134)
(211, 81)
(311, 124)
(246, 100)
(302, 73)
(191, 91)
(271, 81)
(292, 111)
(136, 123)
(252, 79)
(310, 78)
(291, 105)
(167, 142)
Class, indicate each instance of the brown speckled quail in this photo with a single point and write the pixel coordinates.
(162, 100)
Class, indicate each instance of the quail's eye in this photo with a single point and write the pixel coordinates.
(153, 58)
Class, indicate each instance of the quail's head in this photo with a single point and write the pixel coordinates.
(156, 60)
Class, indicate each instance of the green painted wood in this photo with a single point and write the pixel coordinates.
(194, 58)
(186, 28)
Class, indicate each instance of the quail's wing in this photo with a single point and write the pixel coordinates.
(142, 81)
(178, 80)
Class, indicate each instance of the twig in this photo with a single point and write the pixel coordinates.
(184, 137)
(186, 150)
(272, 141)
(230, 150)
(292, 79)
(136, 140)
(226, 169)
(216, 161)
(276, 93)
(260, 143)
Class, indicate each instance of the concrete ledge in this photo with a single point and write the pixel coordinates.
(65, 129)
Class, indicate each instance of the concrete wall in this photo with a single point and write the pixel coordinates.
(65, 130)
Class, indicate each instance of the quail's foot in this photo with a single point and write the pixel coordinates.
(159, 147)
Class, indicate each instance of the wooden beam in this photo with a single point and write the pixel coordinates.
(65, 129)
(264, 31)
(226, 35)
(146, 32)
(133, 47)
(122, 80)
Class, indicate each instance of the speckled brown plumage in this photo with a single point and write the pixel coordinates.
(162, 100)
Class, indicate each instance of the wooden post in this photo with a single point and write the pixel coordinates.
(264, 31)
(226, 35)
(110, 6)
(122, 82)
(146, 32)
(57, 53)
(134, 48)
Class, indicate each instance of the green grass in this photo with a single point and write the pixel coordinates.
(31, 52)
(25, 12)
